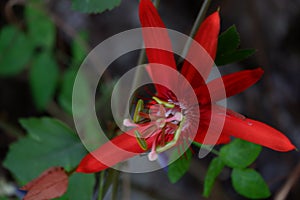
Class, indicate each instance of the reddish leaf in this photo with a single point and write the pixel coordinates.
(52, 183)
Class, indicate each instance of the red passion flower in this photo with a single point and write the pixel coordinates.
(166, 121)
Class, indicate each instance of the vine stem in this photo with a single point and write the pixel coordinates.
(142, 56)
(200, 17)
(101, 185)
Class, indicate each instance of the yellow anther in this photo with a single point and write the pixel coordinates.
(164, 103)
(139, 107)
(174, 141)
(141, 141)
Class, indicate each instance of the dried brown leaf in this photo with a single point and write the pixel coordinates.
(52, 183)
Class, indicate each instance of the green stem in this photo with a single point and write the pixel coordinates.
(200, 17)
(207, 147)
(215, 152)
(10, 130)
(101, 185)
(115, 185)
(197, 23)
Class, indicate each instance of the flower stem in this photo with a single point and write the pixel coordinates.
(197, 23)
(115, 185)
(200, 17)
(142, 56)
(207, 147)
(101, 185)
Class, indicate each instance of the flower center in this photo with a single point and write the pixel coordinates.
(160, 119)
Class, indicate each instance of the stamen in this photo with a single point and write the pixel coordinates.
(172, 143)
(177, 117)
(139, 107)
(152, 156)
(128, 123)
(141, 141)
(166, 104)
(161, 122)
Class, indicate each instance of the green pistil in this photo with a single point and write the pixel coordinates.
(174, 141)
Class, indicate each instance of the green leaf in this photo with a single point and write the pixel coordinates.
(228, 51)
(49, 143)
(215, 168)
(235, 56)
(180, 166)
(65, 94)
(78, 49)
(81, 186)
(249, 183)
(41, 30)
(94, 6)
(229, 40)
(83, 97)
(43, 79)
(15, 51)
(239, 153)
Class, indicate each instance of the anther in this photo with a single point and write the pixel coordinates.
(128, 123)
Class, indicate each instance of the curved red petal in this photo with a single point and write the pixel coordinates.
(208, 33)
(117, 150)
(208, 131)
(157, 42)
(207, 37)
(202, 133)
(256, 132)
(228, 85)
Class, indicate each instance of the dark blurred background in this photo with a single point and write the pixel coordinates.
(271, 27)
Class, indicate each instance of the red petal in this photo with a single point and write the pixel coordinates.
(52, 183)
(228, 85)
(202, 133)
(117, 150)
(157, 42)
(207, 37)
(206, 123)
(256, 132)
(208, 33)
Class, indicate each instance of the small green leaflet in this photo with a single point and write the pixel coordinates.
(15, 51)
(94, 6)
(43, 79)
(41, 30)
(49, 143)
(239, 153)
(249, 183)
(180, 166)
(228, 51)
(65, 93)
(79, 51)
(215, 168)
(80, 187)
